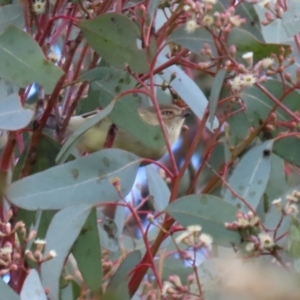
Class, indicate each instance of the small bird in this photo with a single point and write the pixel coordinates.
(95, 138)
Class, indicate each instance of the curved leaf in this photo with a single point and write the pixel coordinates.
(159, 192)
(118, 283)
(215, 94)
(259, 104)
(64, 152)
(110, 82)
(32, 287)
(87, 253)
(11, 14)
(7, 292)
(12, 115)
(114, 37)
(193, 41)
(62, 232)
(22, 61)
(187, 89)
(210, 213)
(85, 180)
(288, 149)
(245, 41)
(250, 177)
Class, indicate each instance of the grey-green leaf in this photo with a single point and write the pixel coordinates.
(63, 231)
(250, 177)
(11, 14)
(118, 283)
(110, 82)
(293, 239)
(64, 152)
(22, 61)
(215, 94)
(87, 253)
(32, 287)
(114, 37)
(288, 149)
(187, 89)
(12, 115)
(85, 180)
(159, 191)
(210, 213)
(7, 292)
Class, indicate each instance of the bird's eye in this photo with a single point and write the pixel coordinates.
(167, 113)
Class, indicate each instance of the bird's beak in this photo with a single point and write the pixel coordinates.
(185, 113)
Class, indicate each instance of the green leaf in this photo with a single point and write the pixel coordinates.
(250, 177)
(252, 25)
(65, 150)
(290, 18)
(118, 283)
(12, 14)
(114, 37)
(272, 220)
(193, 41)
(7, 292)
(125, 115)
(288, 149)
(85, 180)
(32, 287)
(62, 232)
(22, 61)
(159, 192)
(245, 42)
(46, 152)
(87, 253)
(293, 239)
(260, 105)
(215, 94)
(12, 115)
(275, 32)
(277, 184)
(210, 213)
(108, 232)
(152, 6)
(187, 89)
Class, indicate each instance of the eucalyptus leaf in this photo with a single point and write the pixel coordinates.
(118, 283)
(244, 42)
(293, 239)
(113, 37)
(288, 149)
(87, 253)
(46, 151)
(215, 94)
(277, 184)
(250, 177)
(193, 41)
(252, 25)
(22, 61)
(111, 82)
(11, 14)
(290, 18)
(65, 150)
(62, 233)
(12, 115)
(159, 192)
(210, 213)
(32, 288)
(260, 105)
(187, 89)
(87, 180)
(7, 292)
